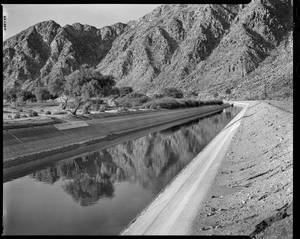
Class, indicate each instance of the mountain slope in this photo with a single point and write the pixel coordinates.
(208, 48)
(48, 49)
(200, 47)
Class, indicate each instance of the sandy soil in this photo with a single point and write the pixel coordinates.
(253, 190)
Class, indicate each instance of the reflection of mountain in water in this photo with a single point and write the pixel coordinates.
(152, 161)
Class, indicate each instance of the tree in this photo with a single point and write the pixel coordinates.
(42, 93)
(23, 95)
(85, 83)
(125, 90)
(56, 86)
(10, 95)
(115, 91)
(172, 92)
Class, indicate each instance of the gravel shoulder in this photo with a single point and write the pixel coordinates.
(253, 191)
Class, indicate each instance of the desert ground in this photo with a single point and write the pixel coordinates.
(252, 193)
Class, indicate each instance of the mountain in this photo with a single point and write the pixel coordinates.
(49, 49)
(208, 48)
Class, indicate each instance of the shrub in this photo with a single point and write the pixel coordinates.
(85, 109)
(24, 96)
(133, 99)
(193, 93)
(10, 94)
(102, 108)
(166, 102)
(171, 103)
(59, 113)
(33, 113)
(115, 91)
(125, 90)
(157, 96)
(172, 92)
(42, 93)
(96, 103)
(17, 115)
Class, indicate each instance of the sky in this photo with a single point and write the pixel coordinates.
(21, 16)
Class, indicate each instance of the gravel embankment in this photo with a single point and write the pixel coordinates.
(253, 190)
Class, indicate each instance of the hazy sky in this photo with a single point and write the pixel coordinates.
(21, 16)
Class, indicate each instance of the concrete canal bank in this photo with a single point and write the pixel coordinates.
(240, 184)
(173, 211)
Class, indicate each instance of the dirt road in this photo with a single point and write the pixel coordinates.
(253, 191)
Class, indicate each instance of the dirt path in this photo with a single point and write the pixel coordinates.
(252, 192)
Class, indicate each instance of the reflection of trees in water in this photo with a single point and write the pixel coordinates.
(92, 177)
(155, 159)
(86, 179)
(48, 175)
(88, 190)
(152, 161)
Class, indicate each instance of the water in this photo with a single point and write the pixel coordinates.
(101, 192)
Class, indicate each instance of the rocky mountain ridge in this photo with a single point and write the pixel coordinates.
(49, 49)
(208, 48)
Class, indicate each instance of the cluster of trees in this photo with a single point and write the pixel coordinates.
(171, 92)
(81, 85)
(20, 95)
(86, 83)
(84, 86)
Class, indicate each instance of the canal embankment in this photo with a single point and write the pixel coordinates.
(252, 193)
(239, 184)
(173, 210)
(25, 147)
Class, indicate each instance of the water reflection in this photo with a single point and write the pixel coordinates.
(151, 161)
(101, 192)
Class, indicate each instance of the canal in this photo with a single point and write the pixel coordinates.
(100, 192)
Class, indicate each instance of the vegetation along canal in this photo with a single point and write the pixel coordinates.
(102, 191)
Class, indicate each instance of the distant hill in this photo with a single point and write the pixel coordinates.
(209, 48)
